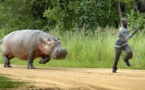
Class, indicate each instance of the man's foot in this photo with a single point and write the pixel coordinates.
(127, 63)
(7, 66)
(114, 70)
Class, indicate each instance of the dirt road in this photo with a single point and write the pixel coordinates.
(77, 78)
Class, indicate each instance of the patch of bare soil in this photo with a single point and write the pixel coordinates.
(77, 78)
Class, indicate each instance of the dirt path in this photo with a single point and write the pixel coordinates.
(77, 78)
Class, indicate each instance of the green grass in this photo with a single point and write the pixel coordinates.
(93, 50)
(8, 83)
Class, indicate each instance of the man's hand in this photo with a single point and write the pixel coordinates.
(135, 30)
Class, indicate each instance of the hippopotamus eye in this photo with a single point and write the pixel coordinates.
(53, 43)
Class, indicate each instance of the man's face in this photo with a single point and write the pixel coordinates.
(125, 22)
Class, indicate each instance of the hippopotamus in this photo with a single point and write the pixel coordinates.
(29, 45)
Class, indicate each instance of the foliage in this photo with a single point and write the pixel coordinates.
(84, 13)
(136, 20)
(16, 14)
(61, 14)
(39, 6)
(129, 1)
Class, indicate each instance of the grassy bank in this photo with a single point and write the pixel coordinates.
(8, 83)
(93, 50)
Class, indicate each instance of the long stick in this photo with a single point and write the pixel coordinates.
(119, 10)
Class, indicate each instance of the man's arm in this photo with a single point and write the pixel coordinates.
(131, 35)
(126, 35)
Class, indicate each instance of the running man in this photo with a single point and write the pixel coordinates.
(121, 44)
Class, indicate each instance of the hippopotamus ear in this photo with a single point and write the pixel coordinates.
(59, 40)
(48, 41)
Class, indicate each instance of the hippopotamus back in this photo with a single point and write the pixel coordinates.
(20, 43)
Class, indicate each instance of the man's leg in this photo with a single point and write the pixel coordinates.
(117, 55)
(129, 54)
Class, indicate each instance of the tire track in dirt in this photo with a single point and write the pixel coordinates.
(77, 78)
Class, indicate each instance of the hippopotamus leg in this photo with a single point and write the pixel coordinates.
(30, 61)
(45, 59)
(6, 61)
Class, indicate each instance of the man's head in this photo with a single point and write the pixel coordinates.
(124, 22)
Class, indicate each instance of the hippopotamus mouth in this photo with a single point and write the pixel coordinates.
(59, 53)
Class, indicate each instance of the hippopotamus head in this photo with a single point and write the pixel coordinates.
(53, 48)
(58, 52)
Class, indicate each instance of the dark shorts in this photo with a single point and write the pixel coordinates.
(126, 48)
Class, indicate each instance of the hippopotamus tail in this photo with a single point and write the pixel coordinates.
(1, 41)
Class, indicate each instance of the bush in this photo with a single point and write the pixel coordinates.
(136, 20)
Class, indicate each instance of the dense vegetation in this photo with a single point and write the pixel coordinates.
(87, 28)
(63, 14)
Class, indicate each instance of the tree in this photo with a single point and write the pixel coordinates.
(83, 13)
(16, 15)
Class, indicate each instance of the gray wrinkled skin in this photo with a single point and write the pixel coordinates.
(30, 44)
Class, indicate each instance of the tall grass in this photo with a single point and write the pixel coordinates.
(94, 50)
